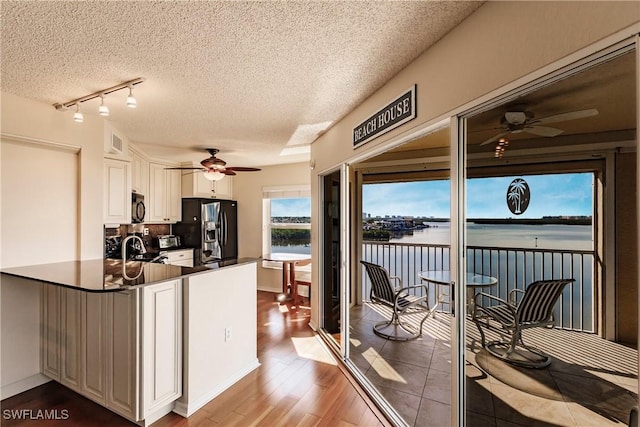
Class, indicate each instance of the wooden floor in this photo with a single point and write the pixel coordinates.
(298, 384)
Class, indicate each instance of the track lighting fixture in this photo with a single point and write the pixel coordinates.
(131, 101)
(77, 116)
(103, 110)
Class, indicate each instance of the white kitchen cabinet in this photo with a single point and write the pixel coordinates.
(196, 185)
(70, 342)
(182, 257)
(122, 371)
(161, 346)
(139, 172)
(117, 191)
(50, 332)
(93, 338)
(164, 204)
(122, 350)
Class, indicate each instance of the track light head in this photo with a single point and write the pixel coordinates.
(131, 101)
(103, 110)
(77, 116)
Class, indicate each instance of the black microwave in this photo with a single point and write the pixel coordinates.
(138, 209)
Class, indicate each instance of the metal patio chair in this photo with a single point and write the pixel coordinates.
(535, 309)
(399, 300)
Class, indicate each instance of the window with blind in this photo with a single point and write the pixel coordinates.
(287, 219)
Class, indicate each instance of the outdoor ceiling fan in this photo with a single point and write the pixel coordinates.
(521, 120)
(214, 168)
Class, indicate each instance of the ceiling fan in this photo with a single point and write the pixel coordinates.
(214, 168)
(521, 120)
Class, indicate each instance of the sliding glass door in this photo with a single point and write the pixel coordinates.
(331, 271)
(550, 313)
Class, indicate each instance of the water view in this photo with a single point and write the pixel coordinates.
(528, 236)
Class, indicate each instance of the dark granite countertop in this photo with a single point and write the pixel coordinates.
(108, 275)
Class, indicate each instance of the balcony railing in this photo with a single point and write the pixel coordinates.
(514, 268)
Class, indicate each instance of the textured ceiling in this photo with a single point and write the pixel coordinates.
(250, 78)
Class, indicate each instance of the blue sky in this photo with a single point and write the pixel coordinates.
(561, 194)
(291, 207)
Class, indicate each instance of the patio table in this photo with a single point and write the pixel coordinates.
(443, 277)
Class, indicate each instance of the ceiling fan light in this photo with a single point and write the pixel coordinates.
(131, 101)
(213, 175)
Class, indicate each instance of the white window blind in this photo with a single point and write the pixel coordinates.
(286, 192)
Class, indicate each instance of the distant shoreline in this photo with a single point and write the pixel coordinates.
(532, 221)
(525, 221)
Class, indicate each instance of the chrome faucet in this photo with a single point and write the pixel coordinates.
(142, 249)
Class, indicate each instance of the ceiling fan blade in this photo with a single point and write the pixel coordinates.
(495, 137)
(543, 130)
(563, 117)
(228, 172)
(242, 169)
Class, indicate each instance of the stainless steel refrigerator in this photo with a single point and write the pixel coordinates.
(210, 227)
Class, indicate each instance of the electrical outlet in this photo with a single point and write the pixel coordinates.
(145, 231)
(227, 334)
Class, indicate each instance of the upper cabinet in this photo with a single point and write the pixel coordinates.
(164, 204)
(139, 172)
(196, 185)
(117, 191)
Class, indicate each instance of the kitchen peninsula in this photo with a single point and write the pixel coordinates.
(144, 339)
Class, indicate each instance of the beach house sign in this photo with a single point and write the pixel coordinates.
(397, 112)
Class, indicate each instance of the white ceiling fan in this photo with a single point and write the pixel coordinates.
(521, 120)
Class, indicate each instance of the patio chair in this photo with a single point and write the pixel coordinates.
(535, 309)
(400, 301)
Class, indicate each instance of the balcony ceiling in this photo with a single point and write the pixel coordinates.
(249, 78)
(609, 87)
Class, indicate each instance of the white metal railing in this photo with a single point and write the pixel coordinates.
(514, 268)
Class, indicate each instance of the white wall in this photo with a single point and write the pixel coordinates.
(247, 190)
(39, 187)
(498, 44)
(48, 214)
(215, 301)
(31, 120)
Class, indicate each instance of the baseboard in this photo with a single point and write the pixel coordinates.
(152, 418)
(186, 409)
(267, 289)
(23, 385)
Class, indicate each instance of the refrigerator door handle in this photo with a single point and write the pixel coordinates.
(226, 232)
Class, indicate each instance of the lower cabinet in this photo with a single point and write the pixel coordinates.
(93, 345)
(122, 350)
(50, 332)
(161, 345)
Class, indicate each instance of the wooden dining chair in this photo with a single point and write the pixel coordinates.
(304, 281)
(400, 301)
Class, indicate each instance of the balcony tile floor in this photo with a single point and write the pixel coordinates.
(590, 382)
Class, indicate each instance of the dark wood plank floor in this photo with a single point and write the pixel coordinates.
(297, 384)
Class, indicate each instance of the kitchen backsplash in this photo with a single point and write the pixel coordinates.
(150, 240)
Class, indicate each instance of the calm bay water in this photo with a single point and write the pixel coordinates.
(293, 249)
(513, 269)
(551, 236)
